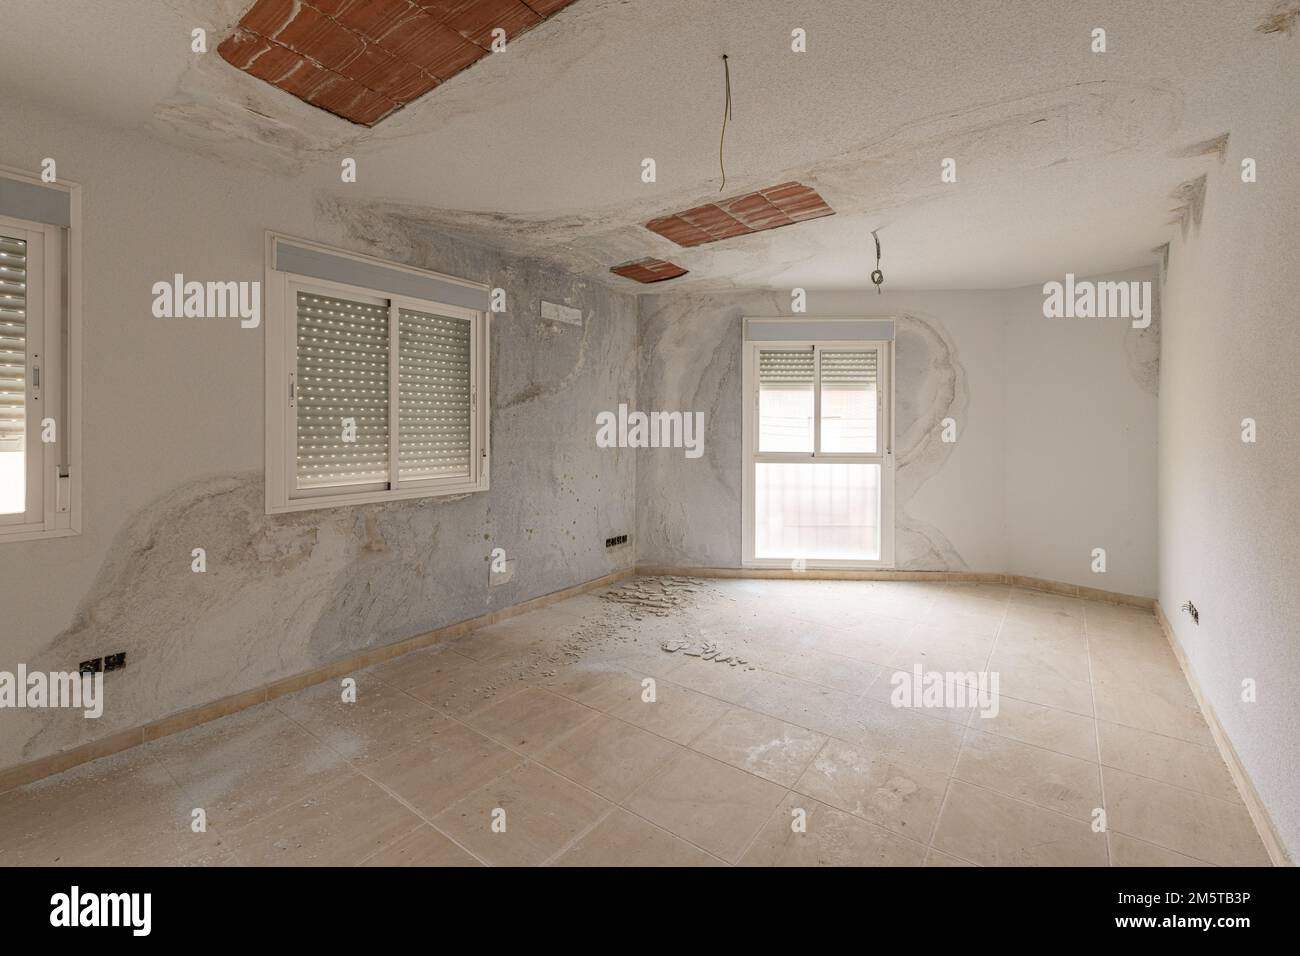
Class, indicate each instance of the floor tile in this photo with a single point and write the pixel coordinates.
(543, 812)
(707, 803)
(994, 830)
(1043, 777)
(1190, 823)
(762, 745)
(607, 755)
(1142, 707)
(382, 719)
(439, 770)
(1041, 726)
(247, 765)
(339, 826)
(1168, 759)
(825, 836)
(622, 839)
(423, 846)
(676, 712)
(529, 721)
(876, 787)
(929, 743)
(1127, 851)
(123, 810)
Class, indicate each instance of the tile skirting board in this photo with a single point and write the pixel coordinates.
(883, 574)
(24, 773)
(1245, 787)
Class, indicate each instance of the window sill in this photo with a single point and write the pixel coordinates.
(36, 534)
(372, 497)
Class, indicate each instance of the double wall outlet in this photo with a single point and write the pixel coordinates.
(109, 662)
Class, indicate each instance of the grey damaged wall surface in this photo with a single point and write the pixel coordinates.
(173, 423)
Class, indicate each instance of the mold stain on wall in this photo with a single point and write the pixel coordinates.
(930, 387)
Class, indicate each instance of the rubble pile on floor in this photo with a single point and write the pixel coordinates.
(658, 596)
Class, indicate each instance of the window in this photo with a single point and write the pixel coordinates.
(39, 333)
(818, 461)
(374, 393)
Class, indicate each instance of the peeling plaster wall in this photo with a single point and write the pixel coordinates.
(1045, 408)
(1229, 529)
(173, 454)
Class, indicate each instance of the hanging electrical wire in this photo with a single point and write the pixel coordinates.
(726, 115)
(877, 277)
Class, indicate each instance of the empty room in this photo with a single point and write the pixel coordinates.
(582, 433)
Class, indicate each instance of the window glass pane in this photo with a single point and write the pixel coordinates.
(848, 382)
(433, 427)
(13, 375)
(342, 374)
(785, 400)
(823, 510)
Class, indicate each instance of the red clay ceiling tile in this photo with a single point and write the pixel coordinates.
(306, 79)
(477, 22)
(374, 18)
(268, 17)
(384, 73)
(275, 64)
(242, 47)
(362, 59)
(321, 38)
(649, 270)
(431, 46)
(771, 208)
(546, 8)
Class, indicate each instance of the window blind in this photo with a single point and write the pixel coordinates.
(13, 344)
(785, 369)
(849, 369)
(342, 373)
(435, 397)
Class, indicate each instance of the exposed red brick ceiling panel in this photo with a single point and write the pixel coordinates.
(769, 208)
(364, 59)
(649, 270)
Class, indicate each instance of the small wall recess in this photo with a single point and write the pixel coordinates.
(114, 662)
(92, 666)
(616, 541)
(1190, 608)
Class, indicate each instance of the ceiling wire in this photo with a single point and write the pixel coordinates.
(726, 114)
(877, 277)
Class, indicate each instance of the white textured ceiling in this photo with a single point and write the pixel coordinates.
(1066, 159)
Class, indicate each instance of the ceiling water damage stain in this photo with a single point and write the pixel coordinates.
(770, 208)
(1190, 197)
(1282, 19)
(1218, 146)
(365, 59)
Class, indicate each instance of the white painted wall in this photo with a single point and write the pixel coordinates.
(1079, 445)
(1229, 530)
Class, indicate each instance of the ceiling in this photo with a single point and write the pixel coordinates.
(1066, 160)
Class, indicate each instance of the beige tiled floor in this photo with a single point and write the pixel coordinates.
(568, 737)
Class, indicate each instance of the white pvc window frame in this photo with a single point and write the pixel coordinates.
(281, 290)
(53, 372)
(883, 455)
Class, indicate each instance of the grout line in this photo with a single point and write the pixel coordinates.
(1096, 733)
